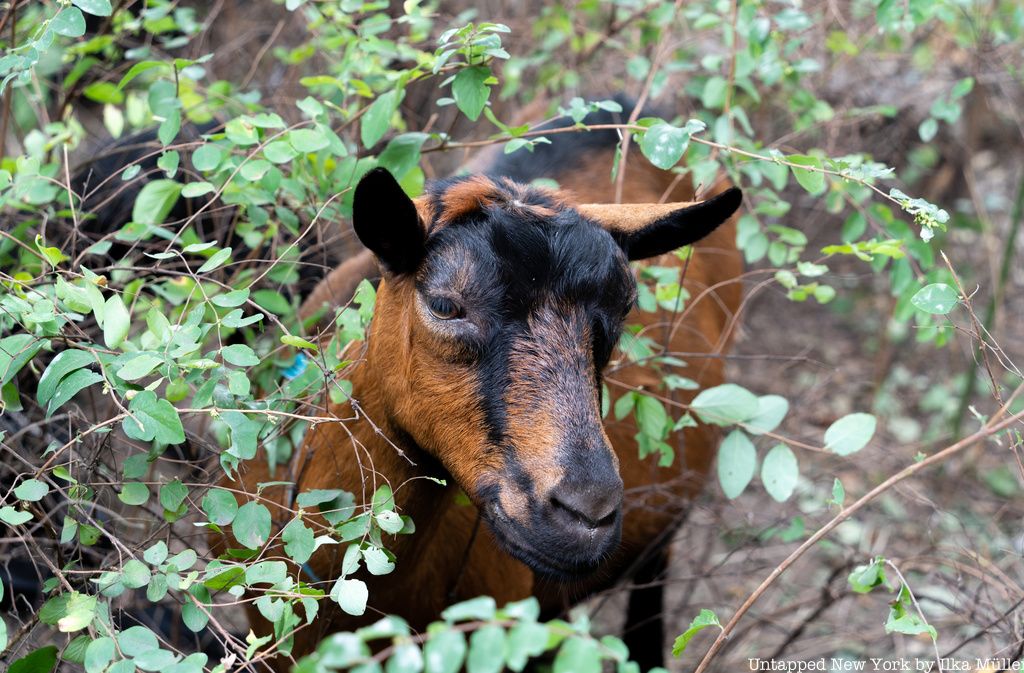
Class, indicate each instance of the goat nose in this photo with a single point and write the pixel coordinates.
(594, 507)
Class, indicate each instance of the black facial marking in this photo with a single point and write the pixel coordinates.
(518, 255)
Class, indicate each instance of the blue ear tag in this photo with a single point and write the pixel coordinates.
(296, 367)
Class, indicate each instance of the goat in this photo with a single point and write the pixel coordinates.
(497, 315)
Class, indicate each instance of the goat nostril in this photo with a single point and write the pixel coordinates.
(593, 511)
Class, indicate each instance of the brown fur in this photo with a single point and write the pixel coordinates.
(544, 398)
(467, 197)
(405, 386)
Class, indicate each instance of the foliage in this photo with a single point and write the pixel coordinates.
(175, 328)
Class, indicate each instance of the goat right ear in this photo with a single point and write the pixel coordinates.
(386, 222)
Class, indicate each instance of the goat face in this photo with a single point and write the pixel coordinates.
(499, 309)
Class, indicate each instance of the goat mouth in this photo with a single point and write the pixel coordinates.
(509, 535)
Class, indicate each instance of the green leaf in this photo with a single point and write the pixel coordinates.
(104, 92)
(116, 321)
(811, 180)
(155, 201)
(63, 364)
(14, 517)
(351, 595)
(525, 609)
(526, 640)
(207, 157)
(79, 612)
(194, 189)
(138, 69)
(377, 117)
(904, 617)
(155, 660)
(88, 535)
(168, 163)
(664, 145)
(470, 90)
(297, 342)
(737, 462)
(220, 506)
(705, 619)
(651, 417)
(578, 655)
(216, 259)
(244, 432)
(254, 169)
(279, 151)
(136, 640)
(402, 153)
(343, 650)
(299, 542)
(487, 650)
(74, 652)
(478, 609)
(928, 128)
(771, 409)
(15, 351)
(726, 404)
(936, 299)
(31, 490)
(139, 366)
(54, 608)
(156, 554)
(838, 493)
(172, 495)
(42, 660)
(240, 131)
(251, 526)
(713, 94)
(99, 654)
(864, 578)
(383, 498)
(69, 22)
(779, 472)
(135, 574)
(406, 658)
(53, 254)
(240, 355)
(444, 652)
(390, 522)
(157, 588)
(231, 299)
(266, 572)
(232, 576)
(850, 433)
(70, 386)
(153, 419)
(308, 140)
(193, 617)
(377, 561)
(94, 7)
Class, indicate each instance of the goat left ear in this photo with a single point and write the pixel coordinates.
(386, 221)
(649, 230)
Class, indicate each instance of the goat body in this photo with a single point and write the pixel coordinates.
(519, 432)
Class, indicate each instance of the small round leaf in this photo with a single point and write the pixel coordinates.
(779, 472)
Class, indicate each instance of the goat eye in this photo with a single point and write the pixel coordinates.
(443, 308)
